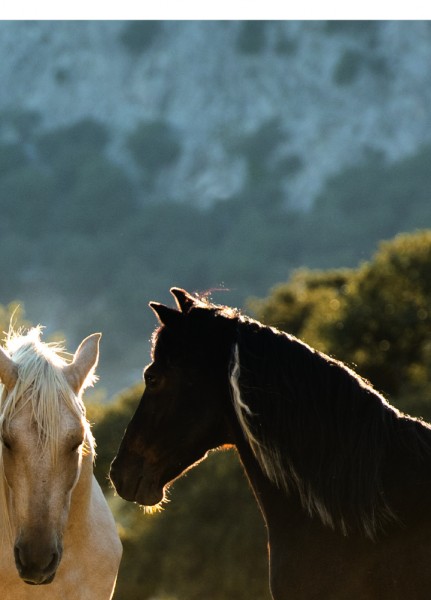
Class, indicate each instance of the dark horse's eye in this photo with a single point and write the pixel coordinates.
(150, 380)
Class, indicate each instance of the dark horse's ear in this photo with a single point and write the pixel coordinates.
(166, 315)
(183, 299)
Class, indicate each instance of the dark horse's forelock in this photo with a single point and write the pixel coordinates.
(316, 428)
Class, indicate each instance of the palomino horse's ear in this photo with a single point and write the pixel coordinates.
(84, 362)
(8, 371)
(166, 315)
(183, 299)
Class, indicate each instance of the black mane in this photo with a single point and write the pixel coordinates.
(319, 429)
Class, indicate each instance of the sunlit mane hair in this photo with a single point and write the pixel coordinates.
(317, 429)
(42, 384)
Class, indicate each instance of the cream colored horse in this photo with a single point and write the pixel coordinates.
(58, 539)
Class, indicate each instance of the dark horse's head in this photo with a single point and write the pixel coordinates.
(182, 413)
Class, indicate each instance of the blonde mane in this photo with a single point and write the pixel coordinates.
(41, 384)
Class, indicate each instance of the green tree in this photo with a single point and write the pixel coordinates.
(364, 204)
(386, 321)
(306, 305)
(12, 156)
(376, 318)
(100, 200)
(68, 149)
(138, 36)
(26, 198)
(252, 37)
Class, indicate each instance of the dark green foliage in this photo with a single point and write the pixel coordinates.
(26, 197)
(348, 67)
(67, 150)
(353, 62)
(100, 199)
(86, 136)
(376, 317)
(387, 319)
(72, 142)
(291, 307)
(259, 147)
(154, 145)
(23, 123)
(138, 36)
(366, 203)
(62, 76)
(355, 28)
(285, 45)
(12, 157)
(291, 165)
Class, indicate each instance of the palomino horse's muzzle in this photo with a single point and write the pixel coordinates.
(37, 562)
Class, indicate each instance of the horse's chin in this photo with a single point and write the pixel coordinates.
(46, 581)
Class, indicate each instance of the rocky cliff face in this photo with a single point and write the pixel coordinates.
(332, 91)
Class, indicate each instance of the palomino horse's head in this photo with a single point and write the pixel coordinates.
(182, 413)
(44, 434)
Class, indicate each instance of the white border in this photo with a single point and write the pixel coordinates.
(210, 10)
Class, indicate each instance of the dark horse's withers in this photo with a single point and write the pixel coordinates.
(342, 478)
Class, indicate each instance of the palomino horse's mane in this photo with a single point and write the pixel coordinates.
(318, 429)
(42, 384)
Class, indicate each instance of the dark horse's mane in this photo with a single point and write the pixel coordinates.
(317, 428)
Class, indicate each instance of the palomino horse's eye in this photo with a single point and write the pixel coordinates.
(6, 444)
(76, 446)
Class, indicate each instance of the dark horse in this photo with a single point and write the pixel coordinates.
(342, 478)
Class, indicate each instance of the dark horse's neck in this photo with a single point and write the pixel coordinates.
(406, 486)
(313, 434)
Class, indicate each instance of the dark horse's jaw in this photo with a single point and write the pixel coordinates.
(149, 495)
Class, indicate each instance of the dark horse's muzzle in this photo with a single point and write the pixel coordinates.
(136, 481)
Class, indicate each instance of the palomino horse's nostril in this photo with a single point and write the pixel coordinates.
(18, 558)
(37, 564)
